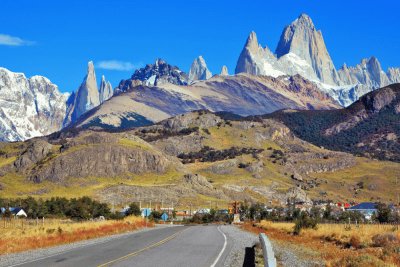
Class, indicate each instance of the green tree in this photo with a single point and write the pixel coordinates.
(383, 213)
(133, 210)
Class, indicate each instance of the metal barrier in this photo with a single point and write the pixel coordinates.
(268, 252)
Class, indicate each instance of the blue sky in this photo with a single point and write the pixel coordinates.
(56, 40)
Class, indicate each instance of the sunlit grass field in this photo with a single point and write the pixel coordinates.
(21, 234)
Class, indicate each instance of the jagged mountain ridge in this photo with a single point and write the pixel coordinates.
(153, 75)
(302, 50)
(29, 107)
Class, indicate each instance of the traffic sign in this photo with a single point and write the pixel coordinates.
(146, 212)
(164, 217)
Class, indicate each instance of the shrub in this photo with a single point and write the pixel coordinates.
(304, 222)
(384, 240)
(133, 210)
(355, 242)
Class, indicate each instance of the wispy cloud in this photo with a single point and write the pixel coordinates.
(117, 65)
(13, 41)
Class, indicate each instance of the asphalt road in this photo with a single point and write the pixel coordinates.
(170, 246)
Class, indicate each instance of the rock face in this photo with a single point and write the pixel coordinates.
(199, 71)
(224, 71)
(303, 40)
(301, 50)
(155, 75)
(85, 98)
(29, 107)
(106, 90)
(101, 155)
(36, 151)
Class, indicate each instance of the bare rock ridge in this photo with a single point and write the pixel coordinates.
(198, 70)
(154, 75)
(29, 107)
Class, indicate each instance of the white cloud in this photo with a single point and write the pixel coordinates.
(13, 41)
(117, 65)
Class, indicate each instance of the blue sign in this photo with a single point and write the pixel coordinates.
(146, 212)
(164, 217)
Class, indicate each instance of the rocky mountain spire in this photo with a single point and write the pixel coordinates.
(256, 60)
(106, 90)
(302, 39)
(199, 70)
(86, 97)
(224, 71)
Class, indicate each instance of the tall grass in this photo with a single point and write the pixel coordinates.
(17, 237)
(340, 244)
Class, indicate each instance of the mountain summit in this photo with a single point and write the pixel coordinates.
(86, 97)
(198, 70)
(302, 50)
(302, 39)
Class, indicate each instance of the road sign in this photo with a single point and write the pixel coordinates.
(164, 217)
(146, 212)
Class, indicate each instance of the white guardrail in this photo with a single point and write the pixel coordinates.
(268, 252)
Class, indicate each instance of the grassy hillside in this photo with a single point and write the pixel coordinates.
(230, 160)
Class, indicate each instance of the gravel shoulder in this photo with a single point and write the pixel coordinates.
(287, 254)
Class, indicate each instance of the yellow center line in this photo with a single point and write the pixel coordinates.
(165, 240)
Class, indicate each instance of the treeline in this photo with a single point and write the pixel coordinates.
(83, 208)
(208, 154)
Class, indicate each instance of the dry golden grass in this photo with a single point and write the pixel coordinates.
(339, 245)
(21, 235)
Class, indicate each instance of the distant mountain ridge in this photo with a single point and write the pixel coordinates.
(302, 50)
(242, 94)
(299, 75)
(29, 107)
(369, 127)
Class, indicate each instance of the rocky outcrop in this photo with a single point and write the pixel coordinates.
(106, 90)
(101, 156)
(199, 71)
(86, 97)
(29, 107)
(36, 151)
(155, 74)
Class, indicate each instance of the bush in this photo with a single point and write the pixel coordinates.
(133, 210)
(304, 222)
(355, 242)
(384, 240)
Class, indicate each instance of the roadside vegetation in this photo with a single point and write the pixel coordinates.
(25, 234)
(58, 221)
(344, 240)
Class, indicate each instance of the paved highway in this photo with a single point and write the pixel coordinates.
(167, 246)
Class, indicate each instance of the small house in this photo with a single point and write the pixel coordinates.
(365, 208)
(16, 212)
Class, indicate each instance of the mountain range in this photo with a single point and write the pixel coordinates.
(300, 74)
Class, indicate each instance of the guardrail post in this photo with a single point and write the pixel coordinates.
(268, 252)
